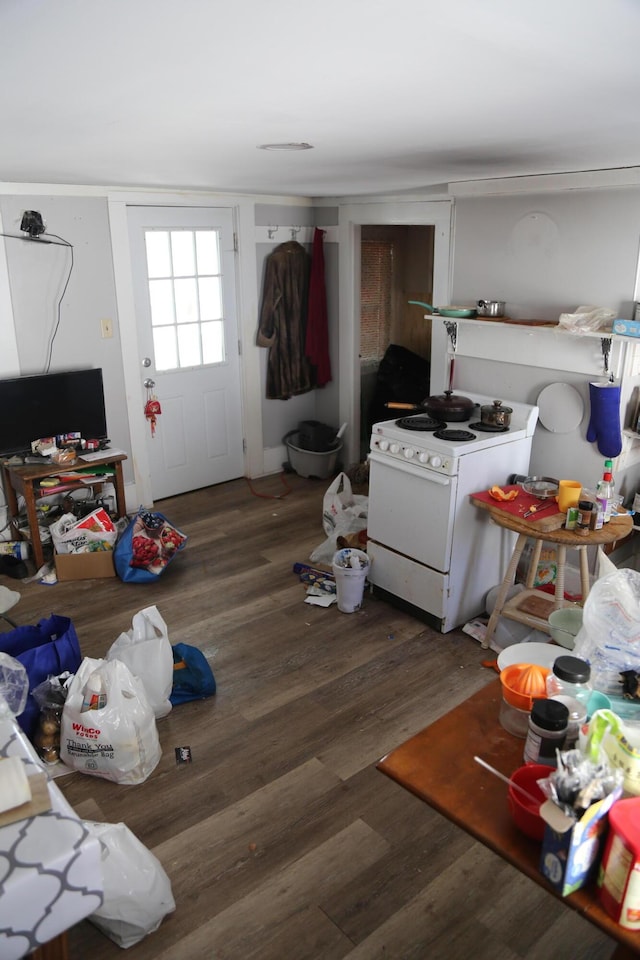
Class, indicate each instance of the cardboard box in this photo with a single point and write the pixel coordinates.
(571, 850)
(85, 566)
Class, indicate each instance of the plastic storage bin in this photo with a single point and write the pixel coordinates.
(309, 463)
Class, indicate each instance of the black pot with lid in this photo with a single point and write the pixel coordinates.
(450, 407)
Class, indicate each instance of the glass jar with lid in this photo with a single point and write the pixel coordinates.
(570, 677)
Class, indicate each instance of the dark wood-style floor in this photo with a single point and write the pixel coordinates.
(281, 840)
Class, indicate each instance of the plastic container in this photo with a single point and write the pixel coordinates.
(619, 875)
(350, 569)
(94, 696)
(308, 463)
(513, 720)
(548, 723)
(14, 548)
(570, 676)
(524, 812)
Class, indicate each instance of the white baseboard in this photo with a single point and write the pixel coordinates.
(274, 457)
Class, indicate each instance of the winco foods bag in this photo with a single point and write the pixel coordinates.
(116, 738)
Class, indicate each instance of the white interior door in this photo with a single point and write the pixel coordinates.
(185, 304)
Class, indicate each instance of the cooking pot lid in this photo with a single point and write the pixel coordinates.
(561, 408)
(451, 399)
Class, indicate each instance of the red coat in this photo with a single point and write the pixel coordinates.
(317, 339)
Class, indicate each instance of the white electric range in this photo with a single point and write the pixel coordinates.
(429, 547)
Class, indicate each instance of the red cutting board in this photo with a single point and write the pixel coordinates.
(549, 518)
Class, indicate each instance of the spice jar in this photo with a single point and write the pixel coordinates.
(577, 717)
(570, 676)
(548, 724)
(583, 522)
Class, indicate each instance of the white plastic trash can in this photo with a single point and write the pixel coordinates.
(350, 568)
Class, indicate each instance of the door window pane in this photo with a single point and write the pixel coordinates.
(213, 342)
(184, 261)
(186, 297)
(161, 301)
(208, 252)
(158, 254)
(210, 298)
(186, 301)
(165, 348)
(189, 345)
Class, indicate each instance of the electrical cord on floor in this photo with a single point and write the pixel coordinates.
(271, 496)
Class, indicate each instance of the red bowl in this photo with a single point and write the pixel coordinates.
(526, 814)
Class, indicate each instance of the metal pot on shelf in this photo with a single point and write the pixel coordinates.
(490, 308)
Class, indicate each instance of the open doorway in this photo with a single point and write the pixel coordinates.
(396, 265)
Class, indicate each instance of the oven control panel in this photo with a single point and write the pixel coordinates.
(413, 453)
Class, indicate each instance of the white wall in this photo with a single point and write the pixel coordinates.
(546, 254)
(37, 274)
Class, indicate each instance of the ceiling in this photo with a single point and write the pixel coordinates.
(394, 96)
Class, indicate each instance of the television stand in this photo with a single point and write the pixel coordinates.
(25, 480)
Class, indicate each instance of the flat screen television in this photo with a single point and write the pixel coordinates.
(49, 404)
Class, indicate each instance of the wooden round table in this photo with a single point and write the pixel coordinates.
(531, 606)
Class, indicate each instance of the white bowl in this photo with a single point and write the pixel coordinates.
(564, 625)
(542, 654)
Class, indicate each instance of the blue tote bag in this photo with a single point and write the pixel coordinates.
(146, 547)
(45, 650)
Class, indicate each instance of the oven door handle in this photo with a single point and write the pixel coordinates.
(411, 468)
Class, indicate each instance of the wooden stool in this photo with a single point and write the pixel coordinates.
(531, 606)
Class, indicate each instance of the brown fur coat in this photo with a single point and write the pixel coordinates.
(283, 321)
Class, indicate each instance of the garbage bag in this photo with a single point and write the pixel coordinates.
(137, 891)
(609, 639)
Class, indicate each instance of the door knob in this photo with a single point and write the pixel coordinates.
(149, 383)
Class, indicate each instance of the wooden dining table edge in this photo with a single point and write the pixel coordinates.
(582, 901)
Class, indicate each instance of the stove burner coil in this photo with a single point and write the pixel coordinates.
(455, 435)
(489, 427)
(420, 423)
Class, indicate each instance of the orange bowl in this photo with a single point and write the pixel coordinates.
(522, 683)
(524, 812)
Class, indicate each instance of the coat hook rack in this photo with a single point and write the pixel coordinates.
(271, 232)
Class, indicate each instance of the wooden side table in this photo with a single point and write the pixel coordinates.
(531, 606)
(23, 480)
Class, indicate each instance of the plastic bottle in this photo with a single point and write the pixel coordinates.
(605, 491)
(570, 677)
(14, 548)
(94, 696)
(548, 725)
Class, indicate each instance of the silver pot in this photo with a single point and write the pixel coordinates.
(490, 308)
(495, 415)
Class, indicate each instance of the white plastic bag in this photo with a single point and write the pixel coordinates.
(343, 512)
(146, 650)
(587, 319)
(137, 891)
(117, 741)
(609, 638)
